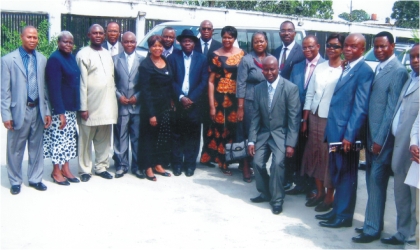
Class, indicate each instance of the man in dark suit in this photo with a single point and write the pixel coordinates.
(190, 71)
(206, 44)
(390, 77)
(168, 36)
(25, 110)
(290, 53)
(301, 74)
(113, 34)
(126, 130)
(405, 113)
(346, 116)
(274, 129)
(206, 36)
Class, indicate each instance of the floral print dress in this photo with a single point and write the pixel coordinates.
(222, 131)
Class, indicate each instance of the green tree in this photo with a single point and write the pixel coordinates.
(13, 41)
(406, 14)
(356, 16)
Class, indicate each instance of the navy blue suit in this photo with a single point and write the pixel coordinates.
(347, 115)
(295, 56)
(187, 124)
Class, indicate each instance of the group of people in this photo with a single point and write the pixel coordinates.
(308, 113)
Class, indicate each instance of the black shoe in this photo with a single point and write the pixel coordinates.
(287, 186)
(189, 172)
(314, 201)
(323, 207)
(38, 186)
(64, 183)
(392, 241)
(328, 216)
(119, 173)
(177, 171)
(364, 238)
(15, 189)
(259, 199)
(162, 173)
(295, 191)
(358, 230)
(276, 209)
(73, 180)
(85, 177)
(139, 174)
(336, 223)
(104, 175)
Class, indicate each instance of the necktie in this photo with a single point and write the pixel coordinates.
(283, 59)
(346, 69)
(129, 64)
(32, 82)
(206, 48)
(270, 95)
(113, 51)
(311, 70)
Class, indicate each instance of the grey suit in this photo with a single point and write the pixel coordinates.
(386, 89)
(272, 131)
(128, 123)
(405, 200)
(119, 45)
(28, 121)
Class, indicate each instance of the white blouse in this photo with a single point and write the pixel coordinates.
(321, 89)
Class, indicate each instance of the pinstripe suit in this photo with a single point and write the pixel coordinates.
(404, 194)
(386, 88)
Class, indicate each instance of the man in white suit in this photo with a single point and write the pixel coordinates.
(126, 130)
(24, 109)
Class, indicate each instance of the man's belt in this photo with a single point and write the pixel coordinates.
(32, 104)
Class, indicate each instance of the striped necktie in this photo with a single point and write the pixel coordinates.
(270, 95)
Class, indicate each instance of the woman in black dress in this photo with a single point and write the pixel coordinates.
(155, 84)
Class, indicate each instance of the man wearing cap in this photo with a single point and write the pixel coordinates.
(189, 83)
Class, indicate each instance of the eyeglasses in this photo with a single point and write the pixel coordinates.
(308, 48)
(333, 46)
(204, 28)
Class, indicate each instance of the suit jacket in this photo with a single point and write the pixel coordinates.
(297, 76)
(410, 100)
(295, 56)
(282, 121)
(349, 104)
(213, 46)
(14, 95)
(126, 82)
(386, 89)
(155, 88)
(120, 47)
(198, 79)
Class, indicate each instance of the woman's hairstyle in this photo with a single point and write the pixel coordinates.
(64, 33)
(230, 30)
(259, 32)
(153, 39)
(340, 38)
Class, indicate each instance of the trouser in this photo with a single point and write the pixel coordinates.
(126, 131)
(32, 131)
(100, 136)
(270, 185)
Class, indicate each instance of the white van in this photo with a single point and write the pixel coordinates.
(244, 34)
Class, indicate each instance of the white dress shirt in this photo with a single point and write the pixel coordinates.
(113, 49)
(352, 64)
(203, 44)
(186, 83)
(382, 65)
(167, 52)
(130, 60)
(289, 48)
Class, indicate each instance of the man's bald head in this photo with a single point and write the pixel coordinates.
(129, 42)
(96, 35)
(354, 46)
(270, 68)
(29, 38)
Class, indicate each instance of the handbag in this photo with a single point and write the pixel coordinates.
(238, 150)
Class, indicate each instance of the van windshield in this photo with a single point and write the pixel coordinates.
(157, 30)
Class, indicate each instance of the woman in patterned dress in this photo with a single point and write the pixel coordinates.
(222, 99)
(63, 81)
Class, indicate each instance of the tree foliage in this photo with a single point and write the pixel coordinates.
(356, 16)
(13, 41)
(318, 9)
(406, 14)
